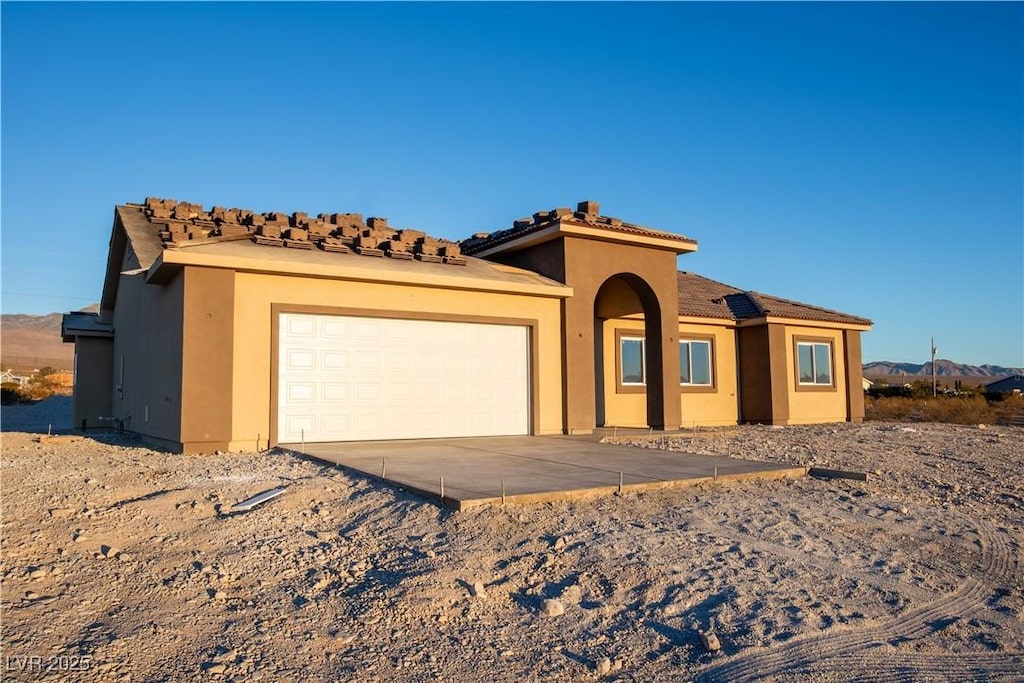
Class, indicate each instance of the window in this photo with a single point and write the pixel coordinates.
(814, 363)
(695, 362)
(696, 358)
(632, 363)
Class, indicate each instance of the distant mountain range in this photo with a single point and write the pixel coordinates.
(30, 342)
(943, 368)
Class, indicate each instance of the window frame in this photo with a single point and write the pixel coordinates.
(630, 387)
(712, 374)
(800, 385)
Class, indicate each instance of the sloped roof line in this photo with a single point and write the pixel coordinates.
(586, 215)
(704, 297)
(766, 299)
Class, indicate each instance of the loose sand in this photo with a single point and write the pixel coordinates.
(116, 561)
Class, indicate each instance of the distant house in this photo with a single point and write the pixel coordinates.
(867, 383)
(228, 329)
(1014, 384)
(8, 377)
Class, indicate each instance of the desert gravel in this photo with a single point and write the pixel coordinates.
(123, 561)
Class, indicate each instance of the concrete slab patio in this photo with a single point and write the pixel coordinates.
(531, 469)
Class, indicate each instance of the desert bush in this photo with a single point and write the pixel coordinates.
(949, 409)
(1009, 408)
(887, 391)
(41, 384)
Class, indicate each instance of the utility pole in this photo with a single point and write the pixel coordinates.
(935, 386)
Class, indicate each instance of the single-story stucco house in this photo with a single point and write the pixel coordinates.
(229, 329)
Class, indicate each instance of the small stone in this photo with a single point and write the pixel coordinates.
(109, 551)
(62, 513)
(603, 666)
(430, 553)
(560, 543)
(216, 669)
(618, 664)
(124, 557)
(31, 595)
(710, 641)
(982, 426)
(904, 510)
(219, 595)
(477, 590)
(553, 608)
(37, 574)
(572, 594)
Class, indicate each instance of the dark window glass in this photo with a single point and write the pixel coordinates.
(632, 353)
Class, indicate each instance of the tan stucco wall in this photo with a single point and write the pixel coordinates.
(207, 367)
(93, 371)
(715, 407)
(255, 294)
(811, 406)
(148, 337)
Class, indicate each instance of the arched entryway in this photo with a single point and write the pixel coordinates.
(628, 353)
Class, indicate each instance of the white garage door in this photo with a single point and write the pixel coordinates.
(344, 378)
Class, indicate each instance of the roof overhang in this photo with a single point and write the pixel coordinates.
(565, 227)
(362, 269)
(800, 322)
(75, 325)
(706, 320)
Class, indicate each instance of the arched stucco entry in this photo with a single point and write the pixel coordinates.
(584, 251)
(626, 294)
(651, 273)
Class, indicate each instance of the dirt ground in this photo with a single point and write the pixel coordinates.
(122, 563)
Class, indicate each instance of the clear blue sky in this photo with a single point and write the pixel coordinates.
(862, 157)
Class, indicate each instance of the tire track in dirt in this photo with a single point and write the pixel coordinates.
(825, 563)
(916, 667)
(854, 651)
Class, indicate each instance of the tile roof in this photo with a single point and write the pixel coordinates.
(703, 297)
(586, 214)
(183, 224)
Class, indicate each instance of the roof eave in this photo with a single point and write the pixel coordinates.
(564, 227)
(171, 261)
(861, 326)
(722, 321)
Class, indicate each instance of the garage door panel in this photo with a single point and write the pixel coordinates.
(301, 327)
(395, 378)
(301, 391)
(334, 392)
(336, 328)
(300, 359)
(334, 360)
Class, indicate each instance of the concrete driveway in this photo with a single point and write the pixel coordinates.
(530, 469)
